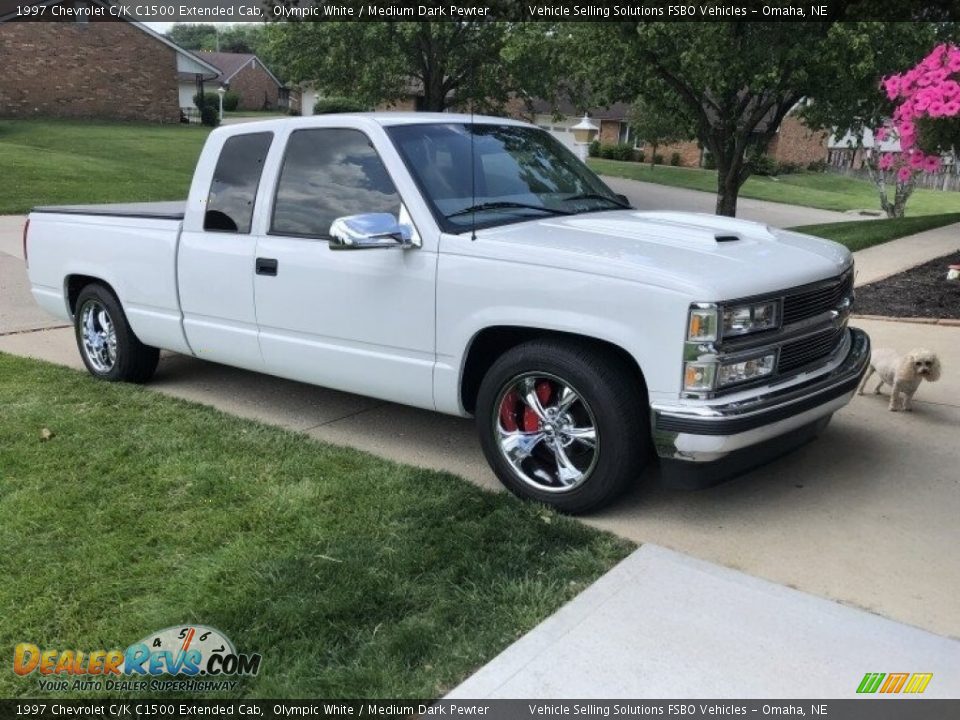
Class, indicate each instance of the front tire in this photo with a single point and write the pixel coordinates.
(108, 346)
(564, 424)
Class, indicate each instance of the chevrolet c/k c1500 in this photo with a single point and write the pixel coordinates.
(472, 266)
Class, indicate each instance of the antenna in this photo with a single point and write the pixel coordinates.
(473, 169)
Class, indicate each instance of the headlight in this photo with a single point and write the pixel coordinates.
(750, 318)
(703, 376)
(702, 324)
(732, 373)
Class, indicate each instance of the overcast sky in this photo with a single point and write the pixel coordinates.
(162, 27)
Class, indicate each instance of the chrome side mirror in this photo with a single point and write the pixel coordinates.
(370, 231)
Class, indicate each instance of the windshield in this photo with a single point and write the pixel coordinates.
(520, 173)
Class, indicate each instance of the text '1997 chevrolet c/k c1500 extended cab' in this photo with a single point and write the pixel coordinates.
(472, 266)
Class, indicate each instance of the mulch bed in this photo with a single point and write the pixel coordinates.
(921, 292)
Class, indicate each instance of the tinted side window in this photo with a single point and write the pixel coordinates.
(235, 181)
(329, 173)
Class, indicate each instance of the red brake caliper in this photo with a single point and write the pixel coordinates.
(508, 411)
(512, 409)
(530, 422)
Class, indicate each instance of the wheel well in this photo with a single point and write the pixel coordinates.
(490, 343)
(76, 283)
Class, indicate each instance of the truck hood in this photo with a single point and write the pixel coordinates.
(713, 257)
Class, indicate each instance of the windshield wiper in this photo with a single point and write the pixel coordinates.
(506, 205)
(598, 196)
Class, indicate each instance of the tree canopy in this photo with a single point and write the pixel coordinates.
(657, 124)
(733, 83)
(447, 64)
(239, 38)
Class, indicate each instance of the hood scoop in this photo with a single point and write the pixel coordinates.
(726, 238)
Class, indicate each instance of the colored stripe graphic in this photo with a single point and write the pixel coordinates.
(918, 683)
(894, 682)
(870, 682)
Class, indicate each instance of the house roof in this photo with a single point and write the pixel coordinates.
(616, 111)
(187, 58)
(229, 64)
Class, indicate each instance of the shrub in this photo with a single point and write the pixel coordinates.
(657, 159)
(593, 150)
(231, 100)
(623, 151)
(607, 151)
(325, 106)
(788, 168)
(763, 165)
(638, 155)
(675, 159)
(817, 166)
(209, 106)
(709, 161)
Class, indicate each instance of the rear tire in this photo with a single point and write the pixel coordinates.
(109, 348)
(564, 424)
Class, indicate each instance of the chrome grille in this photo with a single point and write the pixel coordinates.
(811, 303)
(814, 347)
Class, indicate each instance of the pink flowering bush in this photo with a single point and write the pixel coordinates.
(926, 120)
(927, 101)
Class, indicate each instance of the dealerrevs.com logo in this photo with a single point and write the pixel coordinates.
(199, 657)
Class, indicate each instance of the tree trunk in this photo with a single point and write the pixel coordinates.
(879, 179)
(433, 98)
(900, 197)
(653, 154)
(728, 185)
(727, 201)
(729, 155)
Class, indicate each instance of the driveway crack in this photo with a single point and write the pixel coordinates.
(345, 417)
(34, 330)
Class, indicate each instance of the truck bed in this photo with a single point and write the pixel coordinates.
(172, 210)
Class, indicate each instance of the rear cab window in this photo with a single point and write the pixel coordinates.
(235, 182)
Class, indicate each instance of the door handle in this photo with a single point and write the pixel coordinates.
(266, 266)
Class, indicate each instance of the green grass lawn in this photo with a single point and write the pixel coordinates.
(46, 162)
(817, 190)
(354, 577)
(858, 235)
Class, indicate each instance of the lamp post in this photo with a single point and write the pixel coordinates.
(584, 133)
(221, 92)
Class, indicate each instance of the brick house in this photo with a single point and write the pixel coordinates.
(796, 143)
(245, 74)
(93, 67)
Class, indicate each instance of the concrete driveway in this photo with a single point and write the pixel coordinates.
(866, 515)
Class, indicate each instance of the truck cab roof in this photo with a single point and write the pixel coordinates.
(384, 119)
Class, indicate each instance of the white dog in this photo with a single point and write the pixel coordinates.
(902, 374)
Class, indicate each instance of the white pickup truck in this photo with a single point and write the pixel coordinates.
(471, 266)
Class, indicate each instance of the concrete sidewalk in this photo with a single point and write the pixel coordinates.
(890, 258)
(664, 625)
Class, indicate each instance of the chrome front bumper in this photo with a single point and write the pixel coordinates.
(709, 432)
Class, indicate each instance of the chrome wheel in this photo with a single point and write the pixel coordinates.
(99, 336)
(546, 431)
